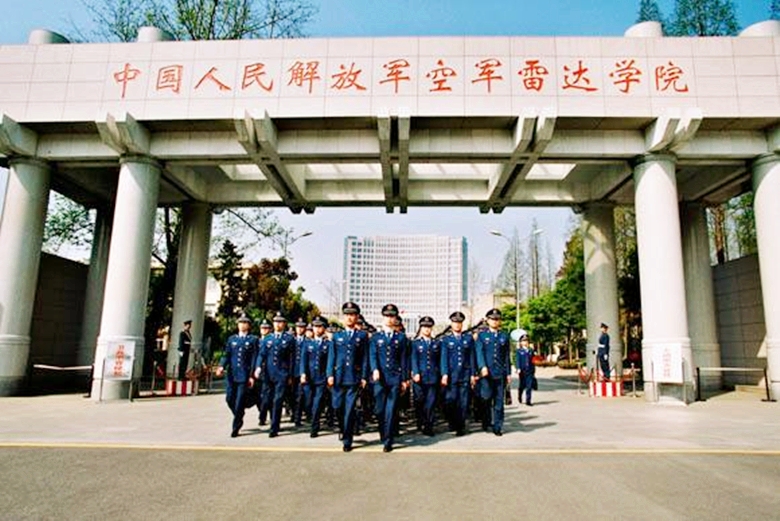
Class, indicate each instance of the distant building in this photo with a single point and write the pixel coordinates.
(421, 274)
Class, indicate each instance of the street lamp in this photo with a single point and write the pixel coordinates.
(516, 253)
(287, 241)
(535, 260)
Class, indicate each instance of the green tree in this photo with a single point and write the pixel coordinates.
(68, 224)
(774, 10)
(650, 12)
(627, 258)
(740, 212)
(228, 274)
(704, 18)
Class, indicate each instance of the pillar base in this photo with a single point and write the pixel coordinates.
(115, 389)
(14, 352)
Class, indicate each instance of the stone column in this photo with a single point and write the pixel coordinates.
(700, 294)
(766, 190)
(601, 294)
(127, 277)
(664, 313)
(190, 293)
(96, 283)
(21, 235)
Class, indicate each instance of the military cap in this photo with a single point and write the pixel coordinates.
(300, 323)
(309, 327)
(457, 317)
(361, 320)
(350, 308)
(319, 321)
(244, 318)
(265, 323)
(604, 325)
(426, 322)
(493, 313)
(279, 317)
(188, 322)
(390, 310)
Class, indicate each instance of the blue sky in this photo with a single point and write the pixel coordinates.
(318, 258)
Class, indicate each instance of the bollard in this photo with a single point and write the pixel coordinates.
(633, 380)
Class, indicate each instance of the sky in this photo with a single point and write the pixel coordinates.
(318, 258)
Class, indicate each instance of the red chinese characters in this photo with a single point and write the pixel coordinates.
(301, 73)
(347, 78)
(533, 75)
(487, 72)
(125, 76)
(396, 73)
(625, 75)
(253, 75)
(669, 77)
(577, 78)
(440, 77)
(211, 76)
(169, 78)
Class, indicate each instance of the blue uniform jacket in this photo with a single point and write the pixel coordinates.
(239, 357)
(348, 358)
(458, 358)
(314, 360)
(604, 343)
(389, 354)
(276, 357)
(524, 360)
(300, 341)
(493, 353)
(425, 360)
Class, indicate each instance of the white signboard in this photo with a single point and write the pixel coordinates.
(118, 364)
(668, 363)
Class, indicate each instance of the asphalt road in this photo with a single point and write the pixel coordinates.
(240, 483)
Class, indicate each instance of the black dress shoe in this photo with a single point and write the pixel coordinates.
(234, 434)
(273, 434)
(261, 423)
(387, 448)
(498, 433)
(313, 435)
(460, 433)
(347, 448)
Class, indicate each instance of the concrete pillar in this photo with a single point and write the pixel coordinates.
(766, 190)
(190, 293)
(601, 294)
(96, 283)
(127, 277)
(700, 294)
(21, 235)
(661, 274)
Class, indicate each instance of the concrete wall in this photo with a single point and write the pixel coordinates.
(56, 324)
(741, 328)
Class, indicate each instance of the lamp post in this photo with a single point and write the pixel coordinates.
(287, 241)
(535, 260)
(516, 253)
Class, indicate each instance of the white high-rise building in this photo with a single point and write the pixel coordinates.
(421, 274)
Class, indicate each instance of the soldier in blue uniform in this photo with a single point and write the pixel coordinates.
(275, 361)
(603, 351)
(296, 391)
(493, 361)
(526, 370)
(238, 359)
(313, 371)
(263, 398)
(426, 374)
(458, 372)
(389, 367)
(347, 371)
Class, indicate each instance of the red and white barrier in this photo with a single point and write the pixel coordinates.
(181, 388)
(607, 389)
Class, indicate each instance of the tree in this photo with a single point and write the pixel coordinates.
(514, 270)
(230, 279)
(650, 12)
(704, 18)
(68, 224)
(119, 20)
(742, 217)
(774, 10)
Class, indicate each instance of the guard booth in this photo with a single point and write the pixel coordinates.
(668, 125)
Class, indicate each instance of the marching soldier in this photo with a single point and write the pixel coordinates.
(389, 372)
(296, 391)
(185, 345)
(426, 366)
(313, 371)
(347, 368)
(524, 362)
(458, 370)
(493, 361)
(603, 351)
(275, 361)
(237, 359)
(263, 398)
